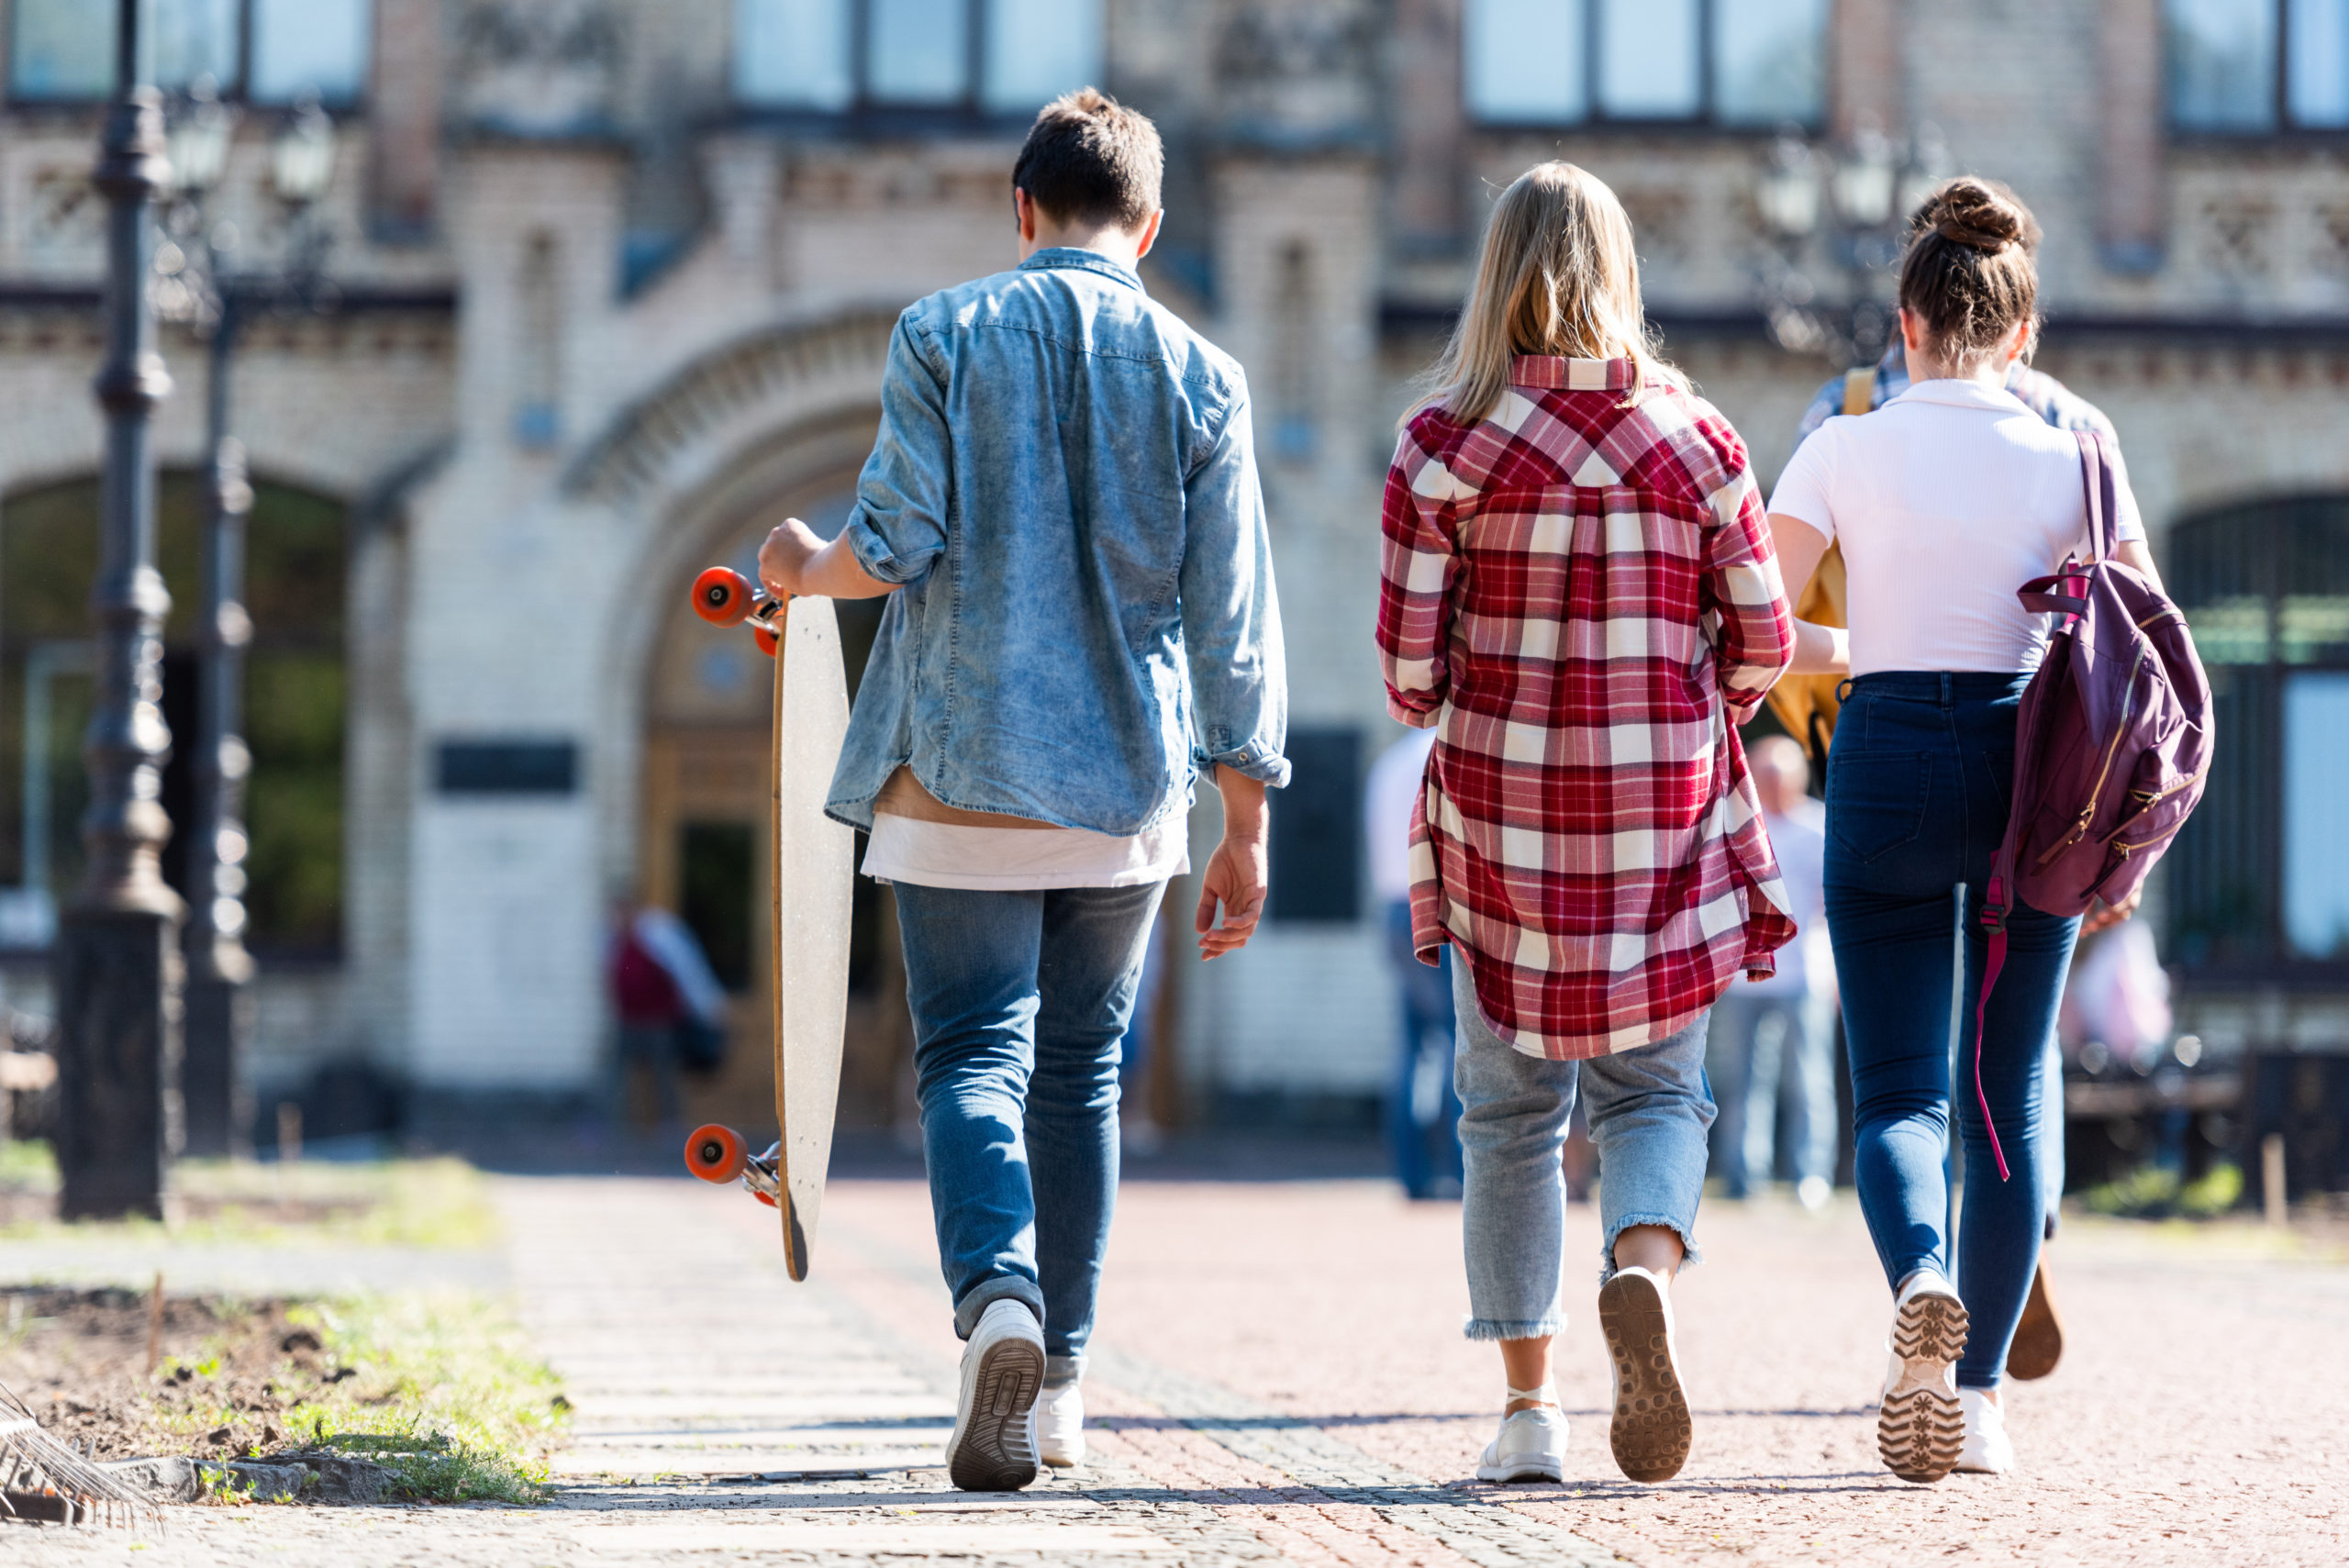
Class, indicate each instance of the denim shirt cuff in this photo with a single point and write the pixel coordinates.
(1255, 760)
(872, 554)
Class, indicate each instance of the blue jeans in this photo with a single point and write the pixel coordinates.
(1757, 1037)
(1918, 783)
(1422, 1106)
(1648, 1108)
(1020, 1000)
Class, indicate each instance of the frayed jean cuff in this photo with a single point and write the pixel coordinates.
(987, 1292)
(1622, 1223)
(1502, 1328)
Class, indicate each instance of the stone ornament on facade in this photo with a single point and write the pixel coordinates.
(539, 67)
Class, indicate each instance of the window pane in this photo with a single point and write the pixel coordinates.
(1768, 58)
(920, 50)
(2316, 832)
(792, 54)
(1648, 59)
(2317, 68)
(196, 38)
(1037, 50)
(62, 48)
(1525, 60)
(309, 46)
(2222, 64)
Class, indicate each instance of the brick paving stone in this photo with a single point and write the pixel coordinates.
(1279, 1377)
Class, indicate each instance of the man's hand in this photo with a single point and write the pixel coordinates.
(782, 560)
(2104, 917)
(1236, 873)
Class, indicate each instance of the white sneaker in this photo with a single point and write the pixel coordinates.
(1531, 1445)
(1651, 1433)
(1813, 1193)
(1989, 1450)
(1920, 1426)
(992, 1448)
(1060, 1426)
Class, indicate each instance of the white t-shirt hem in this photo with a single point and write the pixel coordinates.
(1017, 859)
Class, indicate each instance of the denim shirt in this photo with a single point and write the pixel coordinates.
(1065, 485)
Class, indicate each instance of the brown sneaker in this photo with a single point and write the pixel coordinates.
(1651, 1434)
(2039, 1338)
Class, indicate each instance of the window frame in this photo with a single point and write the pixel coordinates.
(2279, 96)
(1707, 120)
(865, 112)
(2273, 961)
(234, 92)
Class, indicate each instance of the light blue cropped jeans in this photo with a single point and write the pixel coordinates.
(1648, 1110)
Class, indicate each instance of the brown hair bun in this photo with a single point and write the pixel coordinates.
(1969, 274)
(1978, 214)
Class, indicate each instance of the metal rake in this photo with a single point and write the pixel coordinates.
(43, 1482)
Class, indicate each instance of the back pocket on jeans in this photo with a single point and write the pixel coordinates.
(1877, 804)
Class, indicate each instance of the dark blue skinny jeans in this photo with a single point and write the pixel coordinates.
(1020, 1001)
(1918, 783)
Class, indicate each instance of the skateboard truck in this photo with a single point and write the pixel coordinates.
(723, 597)
(716, 1154)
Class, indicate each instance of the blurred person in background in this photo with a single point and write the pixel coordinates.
(1580, 598)
(1778, 1031)
(670, 1006)
(1063, 510)
(1422, 1106)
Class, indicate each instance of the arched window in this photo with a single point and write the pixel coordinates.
(2260, 880)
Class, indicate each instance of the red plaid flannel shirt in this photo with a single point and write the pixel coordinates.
(1584, 598)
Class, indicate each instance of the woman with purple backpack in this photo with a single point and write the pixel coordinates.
(1945, 501)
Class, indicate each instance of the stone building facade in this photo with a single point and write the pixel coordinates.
(613, 284)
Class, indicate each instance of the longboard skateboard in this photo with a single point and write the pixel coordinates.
(810, 880)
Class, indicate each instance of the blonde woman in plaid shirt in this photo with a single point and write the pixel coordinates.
(1579, 596)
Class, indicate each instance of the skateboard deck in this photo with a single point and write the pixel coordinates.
(812, 880)
(809, 874)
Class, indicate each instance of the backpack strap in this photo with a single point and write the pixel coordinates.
(2103, 498)
(1995, 907)
(1859, 389)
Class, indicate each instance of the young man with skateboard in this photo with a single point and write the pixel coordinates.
(1063, 502)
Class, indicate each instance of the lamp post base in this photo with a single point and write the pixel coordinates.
(220, 1027)
(117, 976)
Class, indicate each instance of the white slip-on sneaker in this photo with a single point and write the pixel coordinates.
(1920, 1427)
(1060, 1426)
(1989, 1450)
(992, 1448)
(1651, 1433)
(1532, 1443)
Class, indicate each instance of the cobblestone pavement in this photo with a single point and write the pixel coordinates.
(1279, 1377)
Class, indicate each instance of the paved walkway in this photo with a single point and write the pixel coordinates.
(1279, 1379)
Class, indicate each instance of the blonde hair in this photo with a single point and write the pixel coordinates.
(1558, 275)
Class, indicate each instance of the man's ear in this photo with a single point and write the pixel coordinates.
(1149, 233)
(1023, 213)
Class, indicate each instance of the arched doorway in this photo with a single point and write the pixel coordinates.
(703, 836)
(295, 705)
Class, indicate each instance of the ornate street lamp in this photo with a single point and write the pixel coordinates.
(116, 959)
(202, 291)
(1858, 198)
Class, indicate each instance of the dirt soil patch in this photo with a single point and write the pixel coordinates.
(230, 1379)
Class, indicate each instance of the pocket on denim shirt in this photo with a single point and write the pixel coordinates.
(1875, 802)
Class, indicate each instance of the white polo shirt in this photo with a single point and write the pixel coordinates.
(1946, 500)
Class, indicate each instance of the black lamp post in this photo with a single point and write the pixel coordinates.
(116, 959)
(202, 290)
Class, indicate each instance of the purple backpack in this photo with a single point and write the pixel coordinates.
(2112, 748)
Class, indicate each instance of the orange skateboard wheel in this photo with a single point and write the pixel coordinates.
(765, 639)
(715, 1153)
(723, 597)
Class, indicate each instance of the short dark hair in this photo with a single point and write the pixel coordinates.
(1088, 158)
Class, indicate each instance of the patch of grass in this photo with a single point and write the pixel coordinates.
(2154, 1192)
(439, 1203)
(447, 1396)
